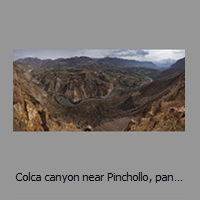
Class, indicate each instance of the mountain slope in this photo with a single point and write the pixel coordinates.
(64, 98)
(33, 108)
(117, 62)
(86, 61)
(165, 113)
(176, 68)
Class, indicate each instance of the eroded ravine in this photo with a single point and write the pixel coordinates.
(65, 101)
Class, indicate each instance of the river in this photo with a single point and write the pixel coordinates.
(66, 101)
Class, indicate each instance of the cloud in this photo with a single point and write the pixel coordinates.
(179, 51)
(142, 52)
(128, 53)
(137, 54)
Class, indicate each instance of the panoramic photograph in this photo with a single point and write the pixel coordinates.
(121, 90)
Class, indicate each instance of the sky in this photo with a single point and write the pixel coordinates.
(154, 55)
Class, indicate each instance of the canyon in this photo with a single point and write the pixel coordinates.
(109, 94)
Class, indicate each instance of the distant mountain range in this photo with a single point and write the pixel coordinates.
(176, 68)
(34, 62)
(108, 62)
(124, 62)
(86, 61)
(165, 63)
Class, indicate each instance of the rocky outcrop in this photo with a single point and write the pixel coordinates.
(88, 128)
(31, 110)
(165, 114)
(164, 119)
(28, 117)
(78, 88)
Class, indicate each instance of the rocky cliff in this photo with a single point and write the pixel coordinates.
(31, 109)
(165, 114)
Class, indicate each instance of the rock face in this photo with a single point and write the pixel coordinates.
(165, 114)
(91, 86)
(88, 128)
(30, 114)
(27, 116)
(161, 120)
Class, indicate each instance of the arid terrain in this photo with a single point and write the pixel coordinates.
(108, 94)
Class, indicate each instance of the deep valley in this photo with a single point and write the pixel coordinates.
(108, 94)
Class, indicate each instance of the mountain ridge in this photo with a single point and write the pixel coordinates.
(84, 60)
(177, 67)
(51, 98)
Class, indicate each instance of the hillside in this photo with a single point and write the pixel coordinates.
(66, 98)
(88, 81)
(33, 108)
(84, 61)
(176, 68)
(117, 62)
(167, 111)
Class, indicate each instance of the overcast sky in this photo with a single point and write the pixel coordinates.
(158, 55)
